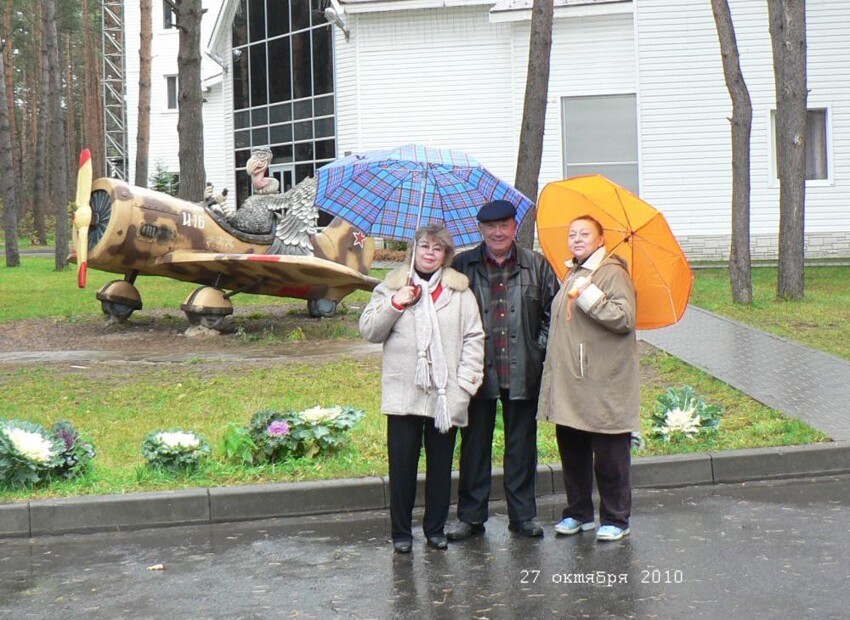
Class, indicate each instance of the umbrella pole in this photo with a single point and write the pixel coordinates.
(417, 289)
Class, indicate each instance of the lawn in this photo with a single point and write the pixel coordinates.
(117, 405)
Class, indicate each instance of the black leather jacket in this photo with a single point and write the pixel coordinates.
(531, 287)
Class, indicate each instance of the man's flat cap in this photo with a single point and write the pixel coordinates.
(496, 210)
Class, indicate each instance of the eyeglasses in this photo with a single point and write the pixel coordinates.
(433, 247)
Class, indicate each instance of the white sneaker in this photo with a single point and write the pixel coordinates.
(570, 526)
(611, 532)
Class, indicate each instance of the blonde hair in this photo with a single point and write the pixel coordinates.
(437, 232)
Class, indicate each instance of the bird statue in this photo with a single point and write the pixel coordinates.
(257, 166)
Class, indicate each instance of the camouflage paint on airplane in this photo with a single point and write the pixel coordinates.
(135, 231)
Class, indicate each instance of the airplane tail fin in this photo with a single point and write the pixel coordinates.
(343, 243)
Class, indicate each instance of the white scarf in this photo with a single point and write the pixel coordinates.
(431, 368)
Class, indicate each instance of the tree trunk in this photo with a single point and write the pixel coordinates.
(93, 115)
(740, 275)
(10, 204)
(41, 118)
(190, 124)
(143, 130)
(534, 112)
(71, 146)
(8, 76)
(58, 167)
(788, 37)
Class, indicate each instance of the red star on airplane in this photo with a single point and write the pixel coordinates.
(359, 238)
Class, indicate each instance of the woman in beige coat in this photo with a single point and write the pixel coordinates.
(590, 386)
(433, 363)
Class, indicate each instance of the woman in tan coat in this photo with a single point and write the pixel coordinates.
(433, 363)
(590, 387)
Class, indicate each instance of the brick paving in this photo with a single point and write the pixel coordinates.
(801, 382)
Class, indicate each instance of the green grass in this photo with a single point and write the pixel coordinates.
(117, 406)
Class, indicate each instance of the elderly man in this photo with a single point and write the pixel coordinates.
(514, 288)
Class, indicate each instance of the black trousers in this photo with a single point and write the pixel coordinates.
(476, 449)
(405, 435)
(609, 457)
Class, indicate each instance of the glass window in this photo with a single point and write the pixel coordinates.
(241, 119)
(324, 127)
(239, 31)
(168, 17)
(280, 83)
(171, 91)
(280, 113)
(302, 73)
(283, 89)
(260, 116)
(817, 161)
(325, 149)
(600, 137)
(300, 10)
(280, 133)
(277, 12)
(257, 20)
(323, 79)
(241, 84)
(258, 75)
(304, 130)
(260, 136)
(324, 106)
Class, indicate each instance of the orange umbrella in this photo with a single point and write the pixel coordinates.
(634, 230)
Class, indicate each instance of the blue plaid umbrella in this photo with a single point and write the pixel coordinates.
(381, 192)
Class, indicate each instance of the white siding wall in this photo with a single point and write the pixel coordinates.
(439, 76)
(684, 106)
(163, 136)
(590, 56)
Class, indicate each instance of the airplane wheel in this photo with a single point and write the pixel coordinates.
(321, 308)
(116, 311)
(210, 321)
(119, 299)
(207, 306)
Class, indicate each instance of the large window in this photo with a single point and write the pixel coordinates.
(283, 93)
(600, 137)
(168, 17)
(817, 145)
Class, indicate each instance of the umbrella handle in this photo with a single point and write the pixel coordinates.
(417, 292)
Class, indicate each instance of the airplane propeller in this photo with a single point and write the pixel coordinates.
(83, 215)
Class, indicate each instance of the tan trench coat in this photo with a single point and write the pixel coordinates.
(591, 376)
(463, 345)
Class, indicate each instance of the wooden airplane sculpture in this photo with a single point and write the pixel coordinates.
(134, 231)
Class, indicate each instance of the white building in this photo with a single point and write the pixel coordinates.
(636, 93)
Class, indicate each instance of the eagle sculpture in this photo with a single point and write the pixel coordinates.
(292, 216)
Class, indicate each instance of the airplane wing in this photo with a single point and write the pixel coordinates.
(305, 277)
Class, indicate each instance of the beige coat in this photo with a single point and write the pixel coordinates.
(591, 375)
(463, 345)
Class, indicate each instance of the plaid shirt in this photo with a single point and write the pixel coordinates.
(498, 276)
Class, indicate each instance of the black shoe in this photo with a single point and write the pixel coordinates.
(530, 528)
(437, 542)
(463, 530)
(402, 546)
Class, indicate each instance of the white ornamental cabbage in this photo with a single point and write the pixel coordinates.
(34, 446)
(179, 439)
(686, 421)
(317, 415)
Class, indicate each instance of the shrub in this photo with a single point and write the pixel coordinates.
(292, 434)
(28, 453)
(680, 414)
(174, 450)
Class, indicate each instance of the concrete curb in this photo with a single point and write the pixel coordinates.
(242, 503)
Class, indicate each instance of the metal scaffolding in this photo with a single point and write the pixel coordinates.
(114, 89)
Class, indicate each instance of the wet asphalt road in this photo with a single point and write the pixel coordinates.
(763, 550)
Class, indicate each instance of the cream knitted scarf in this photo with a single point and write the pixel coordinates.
(432, 372)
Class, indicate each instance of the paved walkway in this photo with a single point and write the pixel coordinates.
(801, 382)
